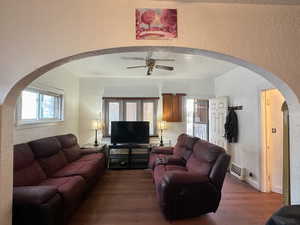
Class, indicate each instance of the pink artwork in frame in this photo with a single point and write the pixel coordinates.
(156, 24)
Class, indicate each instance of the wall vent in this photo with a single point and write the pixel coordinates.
(237, 171)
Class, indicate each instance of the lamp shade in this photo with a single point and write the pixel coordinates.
(97, 124)
(162, 125)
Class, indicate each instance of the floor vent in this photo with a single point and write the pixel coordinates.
(237, 171)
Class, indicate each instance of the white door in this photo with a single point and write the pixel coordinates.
(218, 108)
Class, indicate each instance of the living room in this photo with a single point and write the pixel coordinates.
(259, 36)
(84, 95)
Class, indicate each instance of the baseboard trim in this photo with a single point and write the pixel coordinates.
(277, 190)
(253, 183)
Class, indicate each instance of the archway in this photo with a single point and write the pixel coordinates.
(7, 112)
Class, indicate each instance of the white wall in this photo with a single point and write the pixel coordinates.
(93, 89)
(63, 80)
(243, 88)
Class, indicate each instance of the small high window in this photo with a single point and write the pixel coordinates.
(36, 106)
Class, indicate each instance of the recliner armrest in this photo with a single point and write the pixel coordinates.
(34, 195)
(184, 178)
(170, 161)
(183, 191)
(162, 150)
(86, 151)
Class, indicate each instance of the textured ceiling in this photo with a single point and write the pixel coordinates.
(269, 2)
(112, 65)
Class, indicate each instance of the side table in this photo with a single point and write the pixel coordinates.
(99, 148)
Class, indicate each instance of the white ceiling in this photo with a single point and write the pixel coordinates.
(113, 66)
(280, 2)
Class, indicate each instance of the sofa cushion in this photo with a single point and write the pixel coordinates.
(29, 176)
(33, 194)
(53, 163)
(87, 169)
(72, 153)
(184, 146)
(67, 140)
(27, 171)
(70, 146)
(70, 188)
(49, 154)
(45, 147)
(203, 157)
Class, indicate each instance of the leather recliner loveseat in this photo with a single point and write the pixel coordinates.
(192, 188)
(51, 176)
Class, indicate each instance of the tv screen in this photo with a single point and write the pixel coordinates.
(129, 132)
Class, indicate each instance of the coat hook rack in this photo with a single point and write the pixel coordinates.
(240, 107)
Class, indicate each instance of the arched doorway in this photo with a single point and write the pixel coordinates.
(7, 110)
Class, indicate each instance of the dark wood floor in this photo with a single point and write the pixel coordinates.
(128, 197)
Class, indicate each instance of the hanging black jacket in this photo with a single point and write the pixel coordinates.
(231, 127)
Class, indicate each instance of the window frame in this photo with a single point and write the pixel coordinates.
(194, 115)
(122, 110)
(59, 110)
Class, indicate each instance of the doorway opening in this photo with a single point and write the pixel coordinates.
(7, 111)
(273, 150)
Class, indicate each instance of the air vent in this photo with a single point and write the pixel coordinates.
(237, 171)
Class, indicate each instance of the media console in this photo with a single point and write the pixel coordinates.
(128, 156)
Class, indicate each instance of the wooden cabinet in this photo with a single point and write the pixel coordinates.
(172, 107)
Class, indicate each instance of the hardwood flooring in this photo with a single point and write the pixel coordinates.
(127, 197)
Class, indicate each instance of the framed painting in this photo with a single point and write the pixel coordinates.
(156, 24)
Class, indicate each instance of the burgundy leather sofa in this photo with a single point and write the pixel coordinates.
(51, 177)
(192, 188)
(181, 151)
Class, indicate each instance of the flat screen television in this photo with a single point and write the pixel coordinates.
(130, 132)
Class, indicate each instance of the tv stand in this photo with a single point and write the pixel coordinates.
(128, 156)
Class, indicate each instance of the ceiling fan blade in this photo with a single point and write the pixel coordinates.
(133, 67)
(149, 71)
(165, 60)
(132, 58)
(170, 68)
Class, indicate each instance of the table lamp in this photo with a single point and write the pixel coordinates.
(162, 125)
(97, 125)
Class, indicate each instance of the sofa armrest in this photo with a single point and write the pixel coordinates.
(34, 195)
(162, 150)
(170, 161)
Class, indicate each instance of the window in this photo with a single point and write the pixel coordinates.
(148, 115)
(197, 118)
(113, 113)
(36, 105)
(130, 109)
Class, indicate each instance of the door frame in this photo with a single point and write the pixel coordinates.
(265, 154)
(266, 182)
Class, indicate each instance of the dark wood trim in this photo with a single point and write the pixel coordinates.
(131, 98)
(151, 136)
(179, 94)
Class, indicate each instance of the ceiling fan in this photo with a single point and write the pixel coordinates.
(150, 63)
